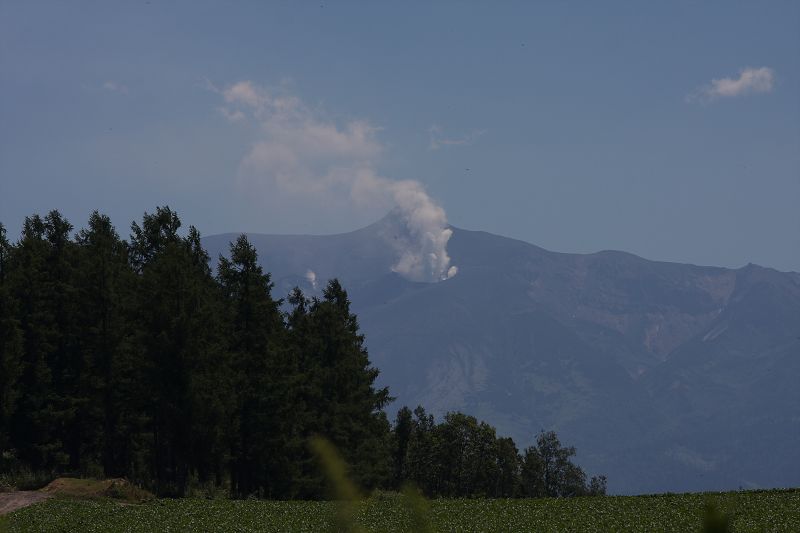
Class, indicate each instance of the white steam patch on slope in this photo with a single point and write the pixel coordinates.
(311, 277)
(314, 161)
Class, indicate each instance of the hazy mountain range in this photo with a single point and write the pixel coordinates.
(665, 376)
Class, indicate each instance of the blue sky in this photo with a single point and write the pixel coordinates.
(575, 126)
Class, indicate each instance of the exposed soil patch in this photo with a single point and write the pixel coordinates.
(115, 489)
(11, 501)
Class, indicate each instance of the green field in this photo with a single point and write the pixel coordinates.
(777, 510)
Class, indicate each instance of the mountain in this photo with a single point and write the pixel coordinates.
(665, 376)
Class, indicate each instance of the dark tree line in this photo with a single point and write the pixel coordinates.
(133, 359)
(461, 457)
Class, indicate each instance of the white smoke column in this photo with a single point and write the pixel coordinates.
(423, 256)
(311, 276)
(311, 160)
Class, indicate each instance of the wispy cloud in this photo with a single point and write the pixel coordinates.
(304, 158)
(749, 81)
(438, 140)
(115, 87)
(234, 115)
(301, 151)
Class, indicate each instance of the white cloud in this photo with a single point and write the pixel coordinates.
(437, 139)
(303, 153)
(115, 87)
(310, 160)
(233, 115)
(245, 93)
(750, 80)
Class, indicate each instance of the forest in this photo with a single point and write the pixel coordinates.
(138, 359)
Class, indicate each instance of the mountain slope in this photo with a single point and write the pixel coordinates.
(664, 376)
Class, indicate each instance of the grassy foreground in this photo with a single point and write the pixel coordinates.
(776, 510)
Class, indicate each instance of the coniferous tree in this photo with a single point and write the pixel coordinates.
(106, 283)
(11, 348)
(182, 352)
(342, 402)
(157, 232)
(37, 283)
(210, 391)
(263, 429)
(303, 344)
(67, 363)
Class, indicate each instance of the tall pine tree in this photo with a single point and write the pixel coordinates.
(40, 282)
(264, 435)
(106, 285)
(182, 352)
(340, 396)
(11, 348)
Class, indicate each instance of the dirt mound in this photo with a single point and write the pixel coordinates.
(117, 489)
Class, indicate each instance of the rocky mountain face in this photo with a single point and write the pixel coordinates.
(666, 377)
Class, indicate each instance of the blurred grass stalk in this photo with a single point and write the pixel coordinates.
(349, 498)
(347, 495)
(714, 521)
(418, 508)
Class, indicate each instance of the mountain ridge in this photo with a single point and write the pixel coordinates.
(640, 364)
